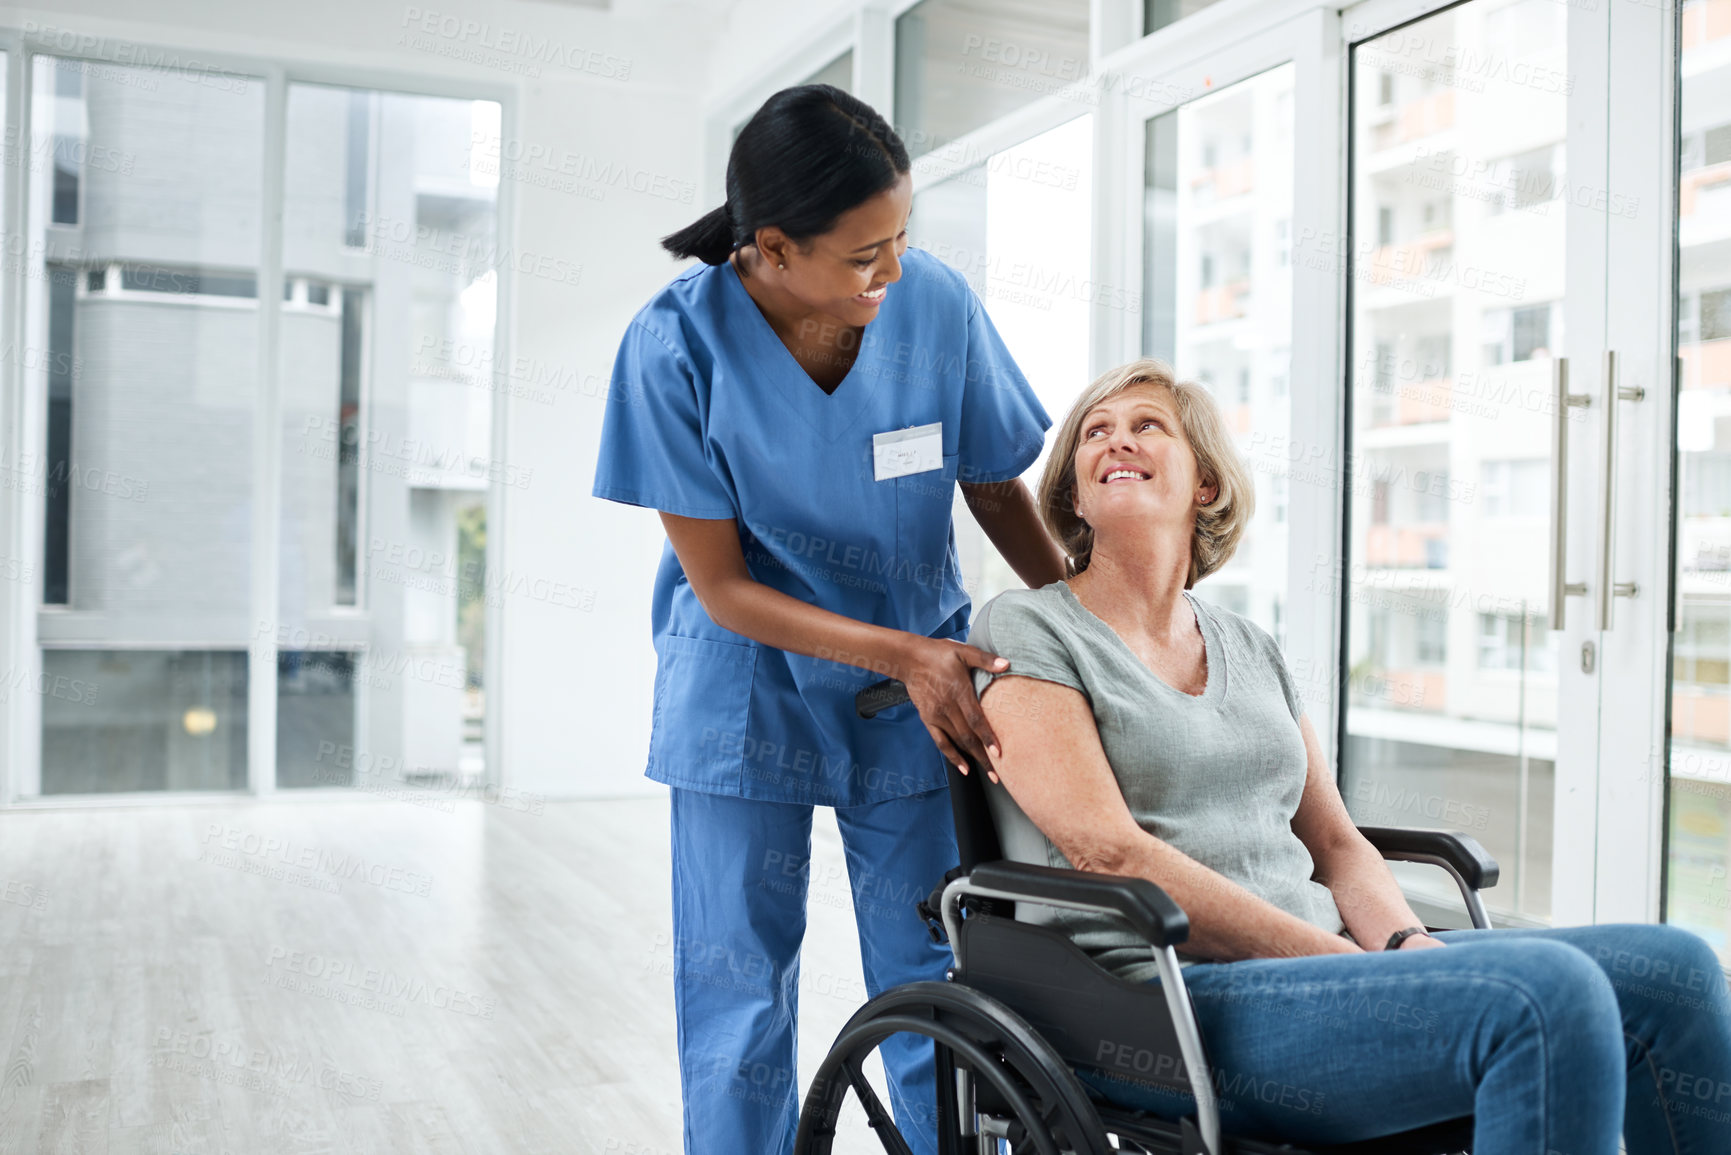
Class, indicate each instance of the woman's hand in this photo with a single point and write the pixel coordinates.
(939, 675)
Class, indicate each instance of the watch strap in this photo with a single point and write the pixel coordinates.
(1400, 936)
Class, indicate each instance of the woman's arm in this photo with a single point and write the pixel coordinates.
(1052, 763)
(1006, 511)
(937, 672)
(1364, 889)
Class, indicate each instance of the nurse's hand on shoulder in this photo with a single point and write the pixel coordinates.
(939, 675)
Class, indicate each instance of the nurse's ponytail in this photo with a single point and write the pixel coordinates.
(807, 156)
(709, 238)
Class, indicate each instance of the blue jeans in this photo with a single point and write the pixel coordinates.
(1555, 1040)
(741, 870)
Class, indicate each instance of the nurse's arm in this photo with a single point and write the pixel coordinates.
(1053, 765)
(1006, 511)
(938, 672)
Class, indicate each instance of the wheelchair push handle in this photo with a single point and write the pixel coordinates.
(879, 696)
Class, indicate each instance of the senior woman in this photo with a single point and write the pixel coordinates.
(1142, 731)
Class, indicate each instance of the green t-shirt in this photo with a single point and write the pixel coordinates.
(1217, 776)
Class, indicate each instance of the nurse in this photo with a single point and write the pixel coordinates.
(800, 407)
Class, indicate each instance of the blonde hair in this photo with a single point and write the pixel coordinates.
(1219, 525)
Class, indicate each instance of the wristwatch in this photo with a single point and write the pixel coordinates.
(1400, 936)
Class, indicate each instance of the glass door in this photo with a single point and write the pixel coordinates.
(1476, 242)
(1697, 748)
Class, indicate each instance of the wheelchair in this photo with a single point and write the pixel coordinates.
(1023, 1005)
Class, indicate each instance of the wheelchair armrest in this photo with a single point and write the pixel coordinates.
(1462, 852)
(1147, 908)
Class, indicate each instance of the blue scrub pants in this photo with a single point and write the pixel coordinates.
(740, 874)
(1556, 1040)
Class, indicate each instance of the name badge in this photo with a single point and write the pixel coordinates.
(899, 452)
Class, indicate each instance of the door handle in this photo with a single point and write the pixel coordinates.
(1609, 590)
(1561, 587)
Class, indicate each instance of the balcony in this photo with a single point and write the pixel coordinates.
(1226, 302)
(1416, 545)
(1419, 403)
(1700, 715)
(1409, 265)
(1421, 689)
(1416, 119)
(1225, 181)
(1704, 203)
(1706, 364)
(1706, 182)
(1705, 20)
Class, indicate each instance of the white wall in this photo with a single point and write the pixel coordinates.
(574, 693)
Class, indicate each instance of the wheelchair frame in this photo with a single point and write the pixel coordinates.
(1023, 1005)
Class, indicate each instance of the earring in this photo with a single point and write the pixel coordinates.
(779, 266)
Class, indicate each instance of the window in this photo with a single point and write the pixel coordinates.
(1512, 335)
(1384, 225)
(1022, 246)
(1503, 645)
(1382, 379)
(1435, 354)
(147, 529)
(1705, 480)
(57, 484)
(386, 387)
(316, 718)
(1527, 179)
(1376, 637)
(1430, 637)
(959, 66)
(1216, 299)
(143, 720)
(1157, 14)
(357, 151)
(68, 144)
(186, 282)
(838, 73)
(387, 383)
(1716, 144)
(1431, 490)
(1701, 652)
(1715, 315)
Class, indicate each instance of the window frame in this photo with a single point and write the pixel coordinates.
(24, 423)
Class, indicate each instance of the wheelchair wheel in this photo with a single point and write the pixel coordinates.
(1023, 1093)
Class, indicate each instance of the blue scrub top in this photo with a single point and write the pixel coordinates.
(710, 416)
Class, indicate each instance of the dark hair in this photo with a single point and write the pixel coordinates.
(807, 156)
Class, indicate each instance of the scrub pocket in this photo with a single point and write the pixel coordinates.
(698, 735)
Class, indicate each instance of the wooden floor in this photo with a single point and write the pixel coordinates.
(366, 975)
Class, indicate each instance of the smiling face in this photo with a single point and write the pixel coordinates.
(1134, 464)
(846, 272)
